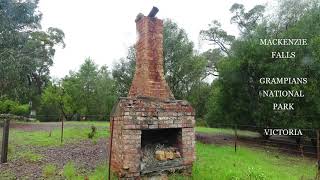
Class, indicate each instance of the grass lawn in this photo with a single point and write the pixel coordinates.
(226, 131)
(221, 162)
(53, 138)
(213, 162)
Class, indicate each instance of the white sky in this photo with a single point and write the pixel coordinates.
(103, 30)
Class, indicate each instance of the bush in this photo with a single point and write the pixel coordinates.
(201, 122)
(20, 110)
(6, 106)
(13, 107)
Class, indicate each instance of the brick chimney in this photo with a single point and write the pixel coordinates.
(149, 78)
(150, 118)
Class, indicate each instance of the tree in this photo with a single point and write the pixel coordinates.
(246, 21)
(182, 68)
(89, 92)
(235, 95)
(26, 52)
(106, 96)
(123, 73)
(217, 36)
(55, 102)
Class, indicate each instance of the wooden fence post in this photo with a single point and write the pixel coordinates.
(110, 146)
(318, 153)
(5, 141)
(62, 126)
(235, 138)
(301, 146)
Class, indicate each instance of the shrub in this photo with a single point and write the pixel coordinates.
(69, 171)
(49, 170)
(20, 110)
(9, 106)
(93, 132)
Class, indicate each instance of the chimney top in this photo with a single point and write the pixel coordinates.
(153, 12)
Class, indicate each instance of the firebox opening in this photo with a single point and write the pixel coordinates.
(166, 137)
(161, 148)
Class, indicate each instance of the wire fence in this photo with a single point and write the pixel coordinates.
(1, 134)
(289, 141)
(69, 117)
(301, 142)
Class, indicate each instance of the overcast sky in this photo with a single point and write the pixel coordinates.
(103, 30)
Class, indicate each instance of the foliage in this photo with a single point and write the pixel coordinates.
(123, 72)
(26, 51)
(234, 96)
(90, 91)
(12, 107)
(183, 70)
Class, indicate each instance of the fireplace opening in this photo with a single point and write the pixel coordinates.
(161, 149)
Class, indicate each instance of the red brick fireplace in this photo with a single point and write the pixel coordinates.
(152, 132)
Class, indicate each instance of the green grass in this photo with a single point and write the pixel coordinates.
(70, 172)
(42, 138)
(213, 162)
(49, 171)
(7, 175)
(221, 162)
(226, 131)
(30, 156)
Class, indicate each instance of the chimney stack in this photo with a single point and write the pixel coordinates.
(149, 78)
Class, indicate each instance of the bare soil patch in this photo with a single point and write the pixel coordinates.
(86, 155)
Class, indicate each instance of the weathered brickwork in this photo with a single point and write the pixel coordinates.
(133, 115)
(148, 80)
(150, 105)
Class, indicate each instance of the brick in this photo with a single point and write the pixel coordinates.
(149, 105)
